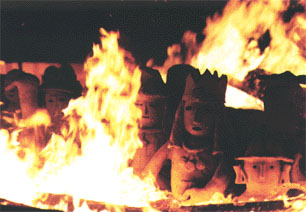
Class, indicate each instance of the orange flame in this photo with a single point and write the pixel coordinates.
(90, 159)
(237, 41)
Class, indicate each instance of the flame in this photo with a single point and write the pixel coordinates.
(248, 35)
(90, 159)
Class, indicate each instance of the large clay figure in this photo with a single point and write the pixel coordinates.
(197, 163)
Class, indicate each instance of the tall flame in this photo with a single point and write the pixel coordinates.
(238, 41)
(90, 159)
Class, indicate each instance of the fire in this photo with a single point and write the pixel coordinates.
(248, 35)
(89, 160)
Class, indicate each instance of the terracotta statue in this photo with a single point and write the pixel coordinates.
(152, 102)
(284, 109)
(20, 96)
(263, 170)
(59, 85)
(197, 162)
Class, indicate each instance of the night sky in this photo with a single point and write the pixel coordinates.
(64, 31)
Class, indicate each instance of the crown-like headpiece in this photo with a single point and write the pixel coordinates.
(206, 87)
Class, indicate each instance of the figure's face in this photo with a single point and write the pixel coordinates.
(199, 118)
(56, 101)
(152, 111)
(262, 174)
(12, 95)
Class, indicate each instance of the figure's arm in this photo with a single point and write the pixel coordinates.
(157, 161)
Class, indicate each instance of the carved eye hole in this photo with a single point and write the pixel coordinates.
(188, 108)
(271, 167)
(254, 167)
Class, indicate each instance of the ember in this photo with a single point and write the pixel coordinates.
(220, 126)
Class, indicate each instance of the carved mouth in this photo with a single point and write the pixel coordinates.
(145, 117)
(197, 128)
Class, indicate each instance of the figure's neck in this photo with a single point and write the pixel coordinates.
(202, 139)
(200, 142)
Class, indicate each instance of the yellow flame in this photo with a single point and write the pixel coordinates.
(232, 43)
(90, 159)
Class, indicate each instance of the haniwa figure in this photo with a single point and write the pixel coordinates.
(197, 161)
(263, 170)
(284, 109)
(59, 86)
(152, 102)
(20, 97)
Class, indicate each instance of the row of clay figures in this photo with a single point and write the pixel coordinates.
(193, 145)
(22, 94)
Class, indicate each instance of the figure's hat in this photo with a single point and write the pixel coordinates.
(271, 148)
(62, 78)
(206, 87)
(151, 82)
(17, 75)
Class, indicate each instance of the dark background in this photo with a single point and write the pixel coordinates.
(64, 31)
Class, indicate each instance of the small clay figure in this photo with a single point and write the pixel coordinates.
(21, 92)
(263, 169)
(152, 102)
(20, 97)
(284, 109)
(59, 85)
